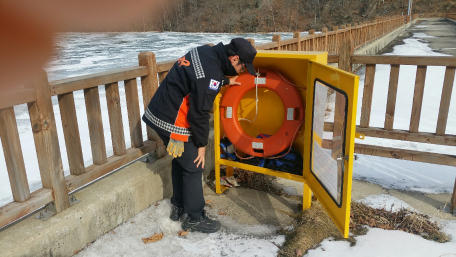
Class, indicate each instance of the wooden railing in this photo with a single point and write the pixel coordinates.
(38, 98)
(413, 134)
(330, 41)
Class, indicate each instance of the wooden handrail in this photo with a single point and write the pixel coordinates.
(404, 60)
(15, 210)
(26, 95)
(403, 154)
(69, 85)
(165, 66)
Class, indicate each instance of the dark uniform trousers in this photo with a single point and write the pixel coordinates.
(187, 184)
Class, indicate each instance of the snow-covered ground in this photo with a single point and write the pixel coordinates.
(233, 240)
(87, 53)
(380, 242)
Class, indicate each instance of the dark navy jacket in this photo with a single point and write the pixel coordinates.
(180, 107)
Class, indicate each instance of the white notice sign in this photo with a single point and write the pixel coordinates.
(321, 92)
(325, 168)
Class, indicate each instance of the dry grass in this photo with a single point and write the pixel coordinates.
(403, 220)
(312, 226)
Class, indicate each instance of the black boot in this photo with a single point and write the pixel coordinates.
(204, 224)
(176, 213)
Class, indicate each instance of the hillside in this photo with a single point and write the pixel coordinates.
(280, 15)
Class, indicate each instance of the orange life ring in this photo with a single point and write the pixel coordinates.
(261, 147)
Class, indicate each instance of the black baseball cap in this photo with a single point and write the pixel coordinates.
(245, 50)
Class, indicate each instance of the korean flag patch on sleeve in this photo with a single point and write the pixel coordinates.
(214, 85)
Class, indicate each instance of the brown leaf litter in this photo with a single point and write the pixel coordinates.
(156, 237)
(403, 220)
(182, 233)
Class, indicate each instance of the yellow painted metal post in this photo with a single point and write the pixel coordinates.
(306, 197)
(217, 179)
(216, 142)
(229, 171)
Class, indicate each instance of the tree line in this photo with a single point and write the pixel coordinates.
(256, 16)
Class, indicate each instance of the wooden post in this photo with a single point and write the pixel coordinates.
(346, 50)
(418, 98)
(115, 118)
(336, 38)
(312, 33)
(134, 114)
(162, 76)
(277, 38)
(367, 95)
(342, 36)
(13, 155)
(47, 144)
(392, 95)
(71, 133)
(325, 30)
(297, 35)
(96, 132)
(252, 41)
(356, 36)
(149, 86)
(445, 101)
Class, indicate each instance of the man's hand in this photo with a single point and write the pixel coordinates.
(175, 148)
(200, 158)
(233, 81)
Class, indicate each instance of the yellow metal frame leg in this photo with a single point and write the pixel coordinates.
(229, 171)
(306, 197)
(217, 179)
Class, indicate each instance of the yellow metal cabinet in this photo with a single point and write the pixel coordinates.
(326, 140)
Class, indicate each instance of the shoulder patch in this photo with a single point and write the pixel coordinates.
(214, 85)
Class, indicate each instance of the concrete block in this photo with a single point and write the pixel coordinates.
(104, 205)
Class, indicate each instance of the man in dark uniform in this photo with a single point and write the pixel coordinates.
(179, 113)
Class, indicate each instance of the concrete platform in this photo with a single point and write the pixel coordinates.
(442, 32)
